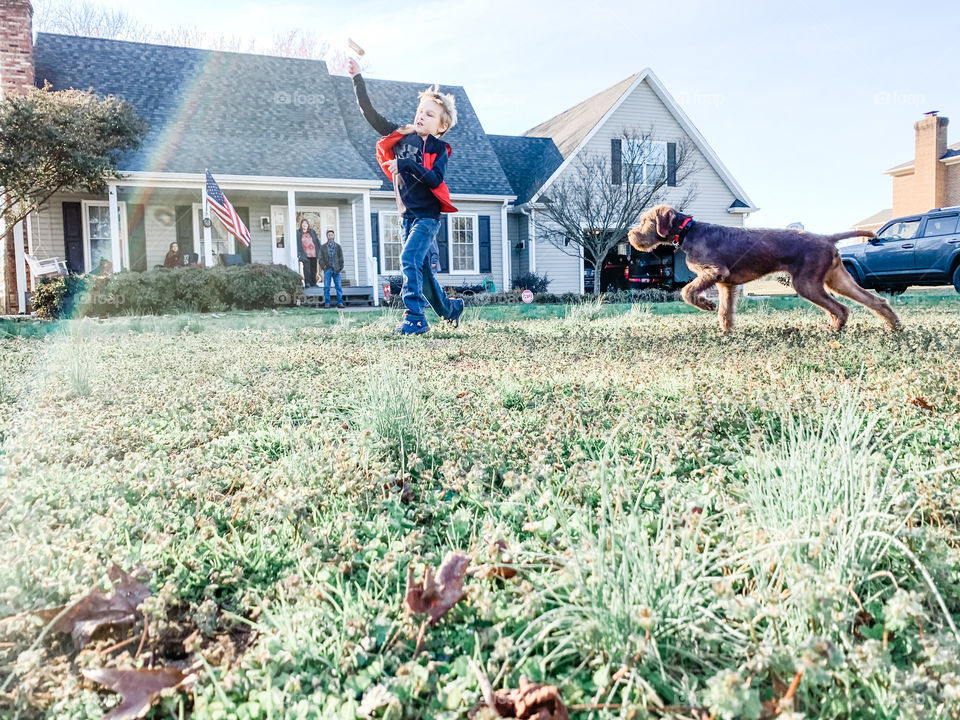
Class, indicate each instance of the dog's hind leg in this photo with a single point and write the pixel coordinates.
(728, 306)
(840, 281)
(692, 291)
(813, 291)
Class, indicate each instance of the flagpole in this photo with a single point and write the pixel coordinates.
(207, 236)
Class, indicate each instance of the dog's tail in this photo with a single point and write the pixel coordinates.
(852, 233)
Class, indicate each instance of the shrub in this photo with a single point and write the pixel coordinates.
(167, 291)
(534, 282)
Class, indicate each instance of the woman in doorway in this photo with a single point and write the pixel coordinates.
(307, 244)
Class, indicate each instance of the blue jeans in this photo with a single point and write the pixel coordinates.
(328, 274)
(419, 284)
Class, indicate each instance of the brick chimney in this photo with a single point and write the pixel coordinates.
(16, 78)
(930, 178)
(16, 46)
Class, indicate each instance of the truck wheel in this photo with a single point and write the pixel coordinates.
(956, 279)
(854, 273)
(894, 289)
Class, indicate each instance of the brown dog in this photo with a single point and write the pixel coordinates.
(730, 256)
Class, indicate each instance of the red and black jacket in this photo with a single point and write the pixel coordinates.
(421, 163)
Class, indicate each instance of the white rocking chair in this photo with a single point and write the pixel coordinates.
(47, 266)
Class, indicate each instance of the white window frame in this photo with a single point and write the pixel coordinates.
(663, 144)
(381, 226)
(124, 244)
(476, 244)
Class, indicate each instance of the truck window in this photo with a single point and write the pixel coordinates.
(901, 230)
(944, 225)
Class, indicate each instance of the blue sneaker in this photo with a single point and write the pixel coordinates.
(456, 310)
(412, 327)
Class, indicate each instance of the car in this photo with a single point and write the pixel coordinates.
(921, 249)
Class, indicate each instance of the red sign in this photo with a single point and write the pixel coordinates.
(526, 296)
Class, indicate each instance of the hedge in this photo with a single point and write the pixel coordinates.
(167, 291)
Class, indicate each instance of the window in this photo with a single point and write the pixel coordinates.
(98, 245)
(900, 230)
(645, 163)
(464, 246)
(945, 225)
(391, 242)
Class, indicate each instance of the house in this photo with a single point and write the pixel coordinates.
(930, 180)
(285, 141)
(595, 126)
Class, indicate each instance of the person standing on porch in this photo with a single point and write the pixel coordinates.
(331, 265)
(307, 244)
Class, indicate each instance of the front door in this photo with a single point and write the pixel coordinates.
(891, 255)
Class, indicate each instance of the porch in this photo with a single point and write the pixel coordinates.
(142, 216)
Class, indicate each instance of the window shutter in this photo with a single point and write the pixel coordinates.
(486, 264)
(137, 242)
(73, 236)
(242, 250)
(443, 245)
(671, 164)
(616, 161)
(184, 216)
(375, 238)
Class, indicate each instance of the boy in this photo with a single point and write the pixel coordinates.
(415, 159)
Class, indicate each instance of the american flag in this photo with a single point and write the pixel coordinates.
(224, 210)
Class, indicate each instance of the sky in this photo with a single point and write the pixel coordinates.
(805, 102)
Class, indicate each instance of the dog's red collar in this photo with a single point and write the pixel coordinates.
(682, 231)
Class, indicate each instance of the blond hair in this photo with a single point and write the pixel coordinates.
(448, 107)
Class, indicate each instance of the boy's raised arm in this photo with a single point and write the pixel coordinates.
(376, 120)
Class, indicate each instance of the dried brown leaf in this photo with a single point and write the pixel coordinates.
(96, 609)
(531, 701)
(137, 688)
(437, 594)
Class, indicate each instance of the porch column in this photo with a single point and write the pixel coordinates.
(292, 261)
(207, 234)
(372, 278)
(115, 247)
(533, 240)
(21, 268)
(356, 256)
(505, 254)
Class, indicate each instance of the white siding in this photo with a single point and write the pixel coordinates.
(641, 112)
(562, 270)
(478, 208)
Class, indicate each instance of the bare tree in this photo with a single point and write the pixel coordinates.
(590, 208)
(82, 17)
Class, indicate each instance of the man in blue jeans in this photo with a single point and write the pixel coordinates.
(330, 259)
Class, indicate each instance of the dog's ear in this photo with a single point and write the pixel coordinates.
(665, 216)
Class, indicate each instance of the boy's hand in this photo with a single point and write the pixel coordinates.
(353, 67)
(391, 166)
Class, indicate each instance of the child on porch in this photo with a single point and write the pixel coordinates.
(415, 159)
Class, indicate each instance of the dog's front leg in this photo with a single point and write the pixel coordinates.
(692, 292)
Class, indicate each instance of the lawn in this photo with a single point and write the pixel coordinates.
(660, 520)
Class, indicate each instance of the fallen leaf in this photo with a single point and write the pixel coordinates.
(137, 688)
(96, 609)
(922, 404)
(531, 701)
(435, 595)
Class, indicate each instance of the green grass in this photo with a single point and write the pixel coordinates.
(693, 517)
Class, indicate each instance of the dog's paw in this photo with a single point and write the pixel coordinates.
(707, 305)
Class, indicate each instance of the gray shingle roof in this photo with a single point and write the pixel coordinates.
(527, 161)
(473, 167)
(244, 114)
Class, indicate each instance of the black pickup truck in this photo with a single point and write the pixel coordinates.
(914, 250)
